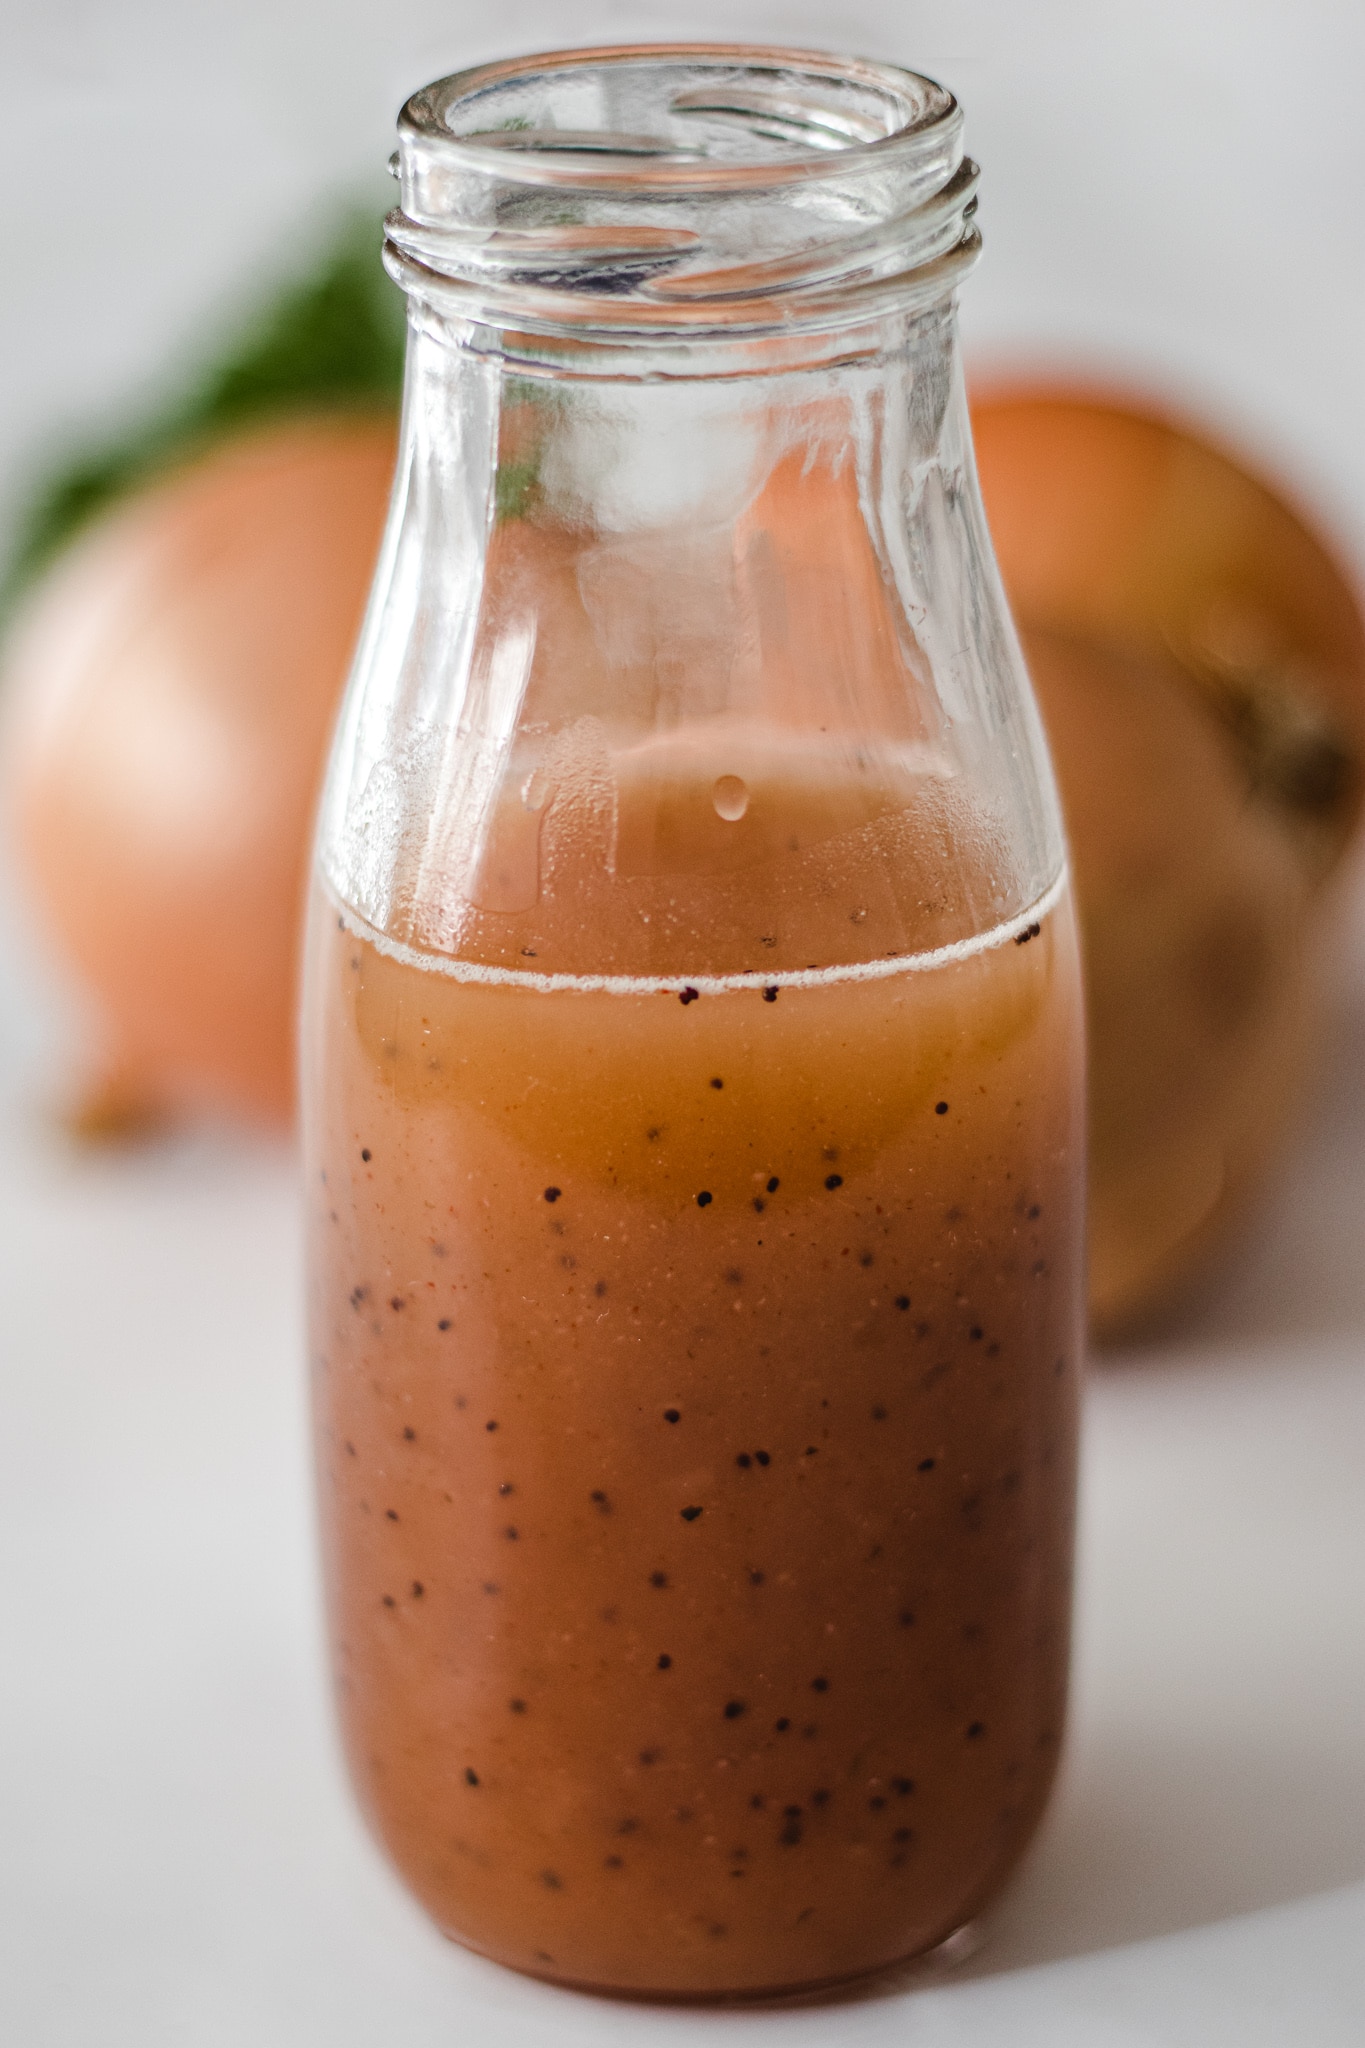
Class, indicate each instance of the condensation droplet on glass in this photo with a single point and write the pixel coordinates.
(730, 797)
(537, 790)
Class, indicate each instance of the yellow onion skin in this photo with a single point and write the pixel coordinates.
(1199, 660)
(168, 694)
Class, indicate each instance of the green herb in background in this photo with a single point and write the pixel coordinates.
(514, 489)
(329, 342)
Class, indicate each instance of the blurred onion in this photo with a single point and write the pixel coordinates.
(169, 692)
(1199, 659)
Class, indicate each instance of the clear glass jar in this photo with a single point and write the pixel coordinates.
(693, 1068)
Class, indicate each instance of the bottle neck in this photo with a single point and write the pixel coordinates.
(687, 575)
(706, 207)
(620, 438)
(596, 592)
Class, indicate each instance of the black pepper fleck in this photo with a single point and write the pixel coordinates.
(733, 1709)
(690, 1514)
(665, 1662)
(365, 1154)
(773, 1185)
(688, 995)
(553, 1194)
(770, 995)
(444, 1323)
(471, 1777)
(834, 1180)
(940, 1109)
(704, 1199)
(672, 1415)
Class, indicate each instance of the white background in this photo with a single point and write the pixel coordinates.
(1173, 195)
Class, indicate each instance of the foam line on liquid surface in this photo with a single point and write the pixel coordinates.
(704, 984)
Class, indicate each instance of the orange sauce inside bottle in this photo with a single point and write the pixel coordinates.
(696, 1366)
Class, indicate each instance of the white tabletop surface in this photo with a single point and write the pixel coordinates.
(180, 1865)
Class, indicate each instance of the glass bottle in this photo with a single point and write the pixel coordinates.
(693, 1051)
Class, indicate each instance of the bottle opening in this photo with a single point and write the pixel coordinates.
(682, 187)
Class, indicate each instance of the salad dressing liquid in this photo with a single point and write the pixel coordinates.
(695, 1362)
